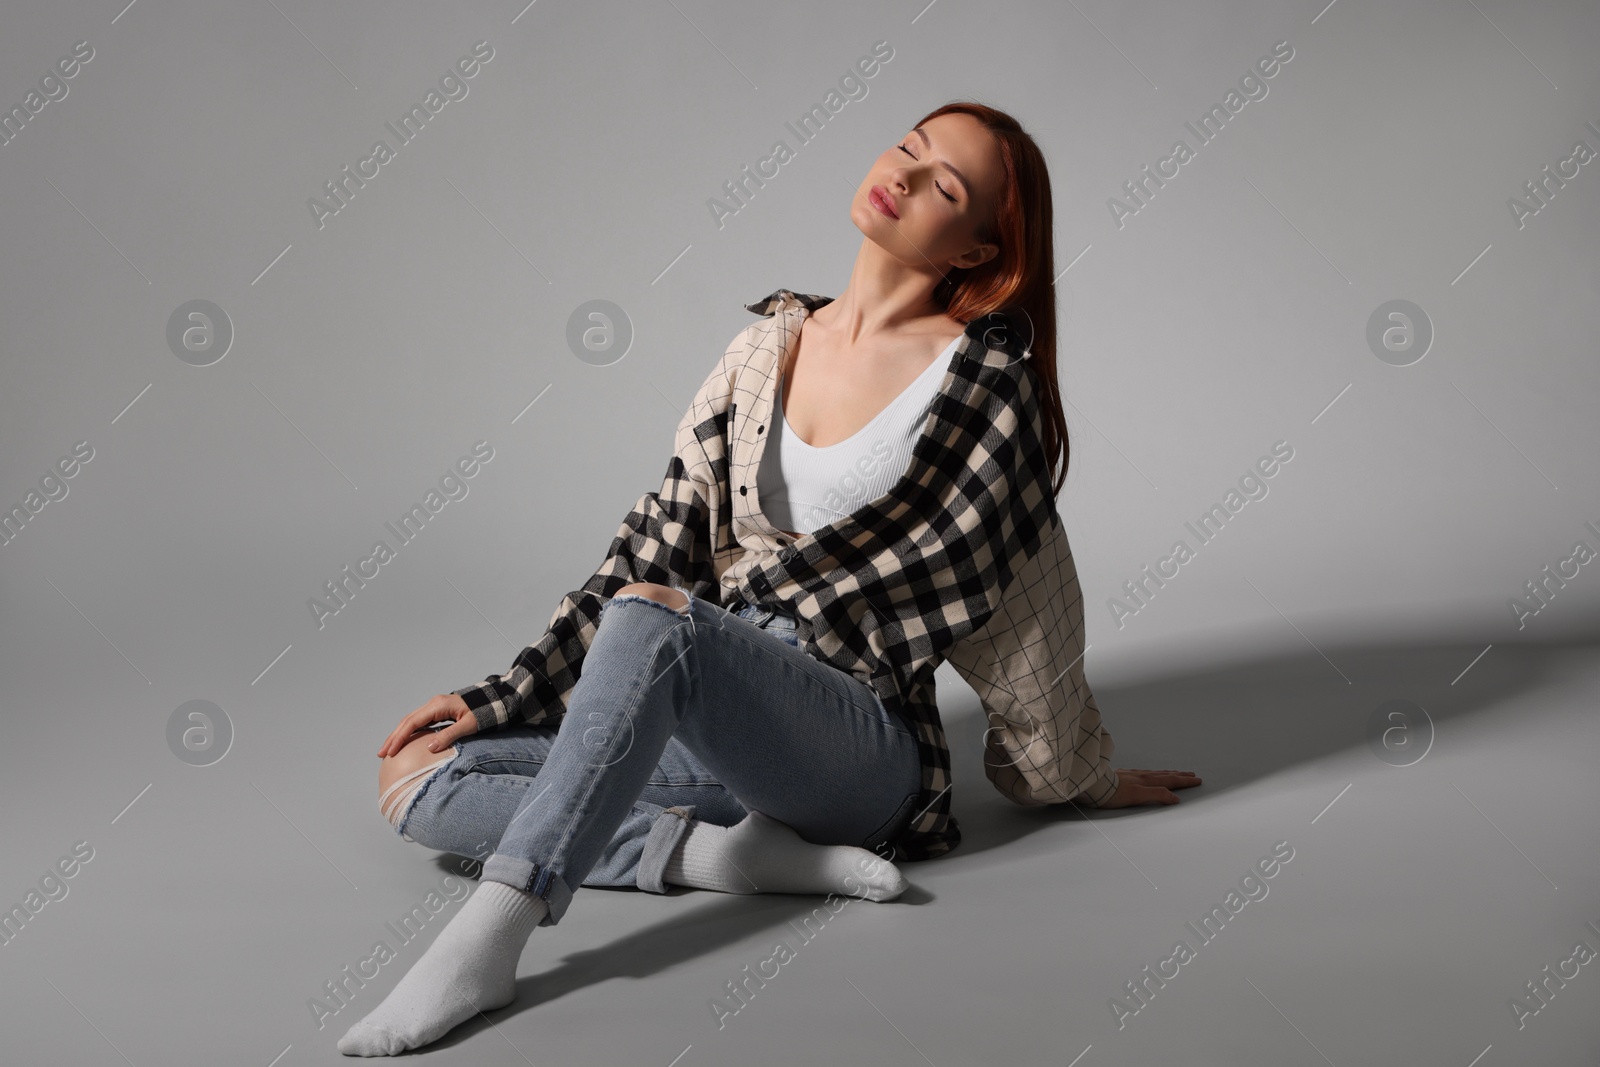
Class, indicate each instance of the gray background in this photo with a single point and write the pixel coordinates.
(433, 311)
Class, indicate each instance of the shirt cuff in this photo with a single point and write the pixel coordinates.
(1101, 789)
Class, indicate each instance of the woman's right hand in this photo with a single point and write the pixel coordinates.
(446, 706)
(1136, 786)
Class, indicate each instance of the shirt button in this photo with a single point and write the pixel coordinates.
(743, 491)
(760, 428)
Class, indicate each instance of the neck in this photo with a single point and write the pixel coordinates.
(882, 296)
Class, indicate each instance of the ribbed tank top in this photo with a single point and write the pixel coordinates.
(804, 488)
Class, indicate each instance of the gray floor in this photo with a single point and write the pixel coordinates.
(1417, 904)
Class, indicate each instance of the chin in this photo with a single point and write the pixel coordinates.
(875, 227)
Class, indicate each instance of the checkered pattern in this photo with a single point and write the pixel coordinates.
(964, 559)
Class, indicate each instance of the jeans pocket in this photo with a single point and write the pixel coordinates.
(894, 825)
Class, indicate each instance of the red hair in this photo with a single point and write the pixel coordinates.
(1022, 275)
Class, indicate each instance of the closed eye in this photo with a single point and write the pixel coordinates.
(936, 185)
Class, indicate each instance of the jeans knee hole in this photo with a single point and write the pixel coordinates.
(625, 598)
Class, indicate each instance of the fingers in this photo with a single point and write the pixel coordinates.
(1173, 779)
(445, 707)
(400, 735)
(444, 738)
(409, 727)
(447, 736)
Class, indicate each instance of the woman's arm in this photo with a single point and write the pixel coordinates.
(664, 539)
(1045, 743)
(668, 538)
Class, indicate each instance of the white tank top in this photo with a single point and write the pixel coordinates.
(803, 488)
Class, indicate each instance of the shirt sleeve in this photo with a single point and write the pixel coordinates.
(1044, 743)
(665, 539)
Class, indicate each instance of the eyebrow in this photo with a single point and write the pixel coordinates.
(966, 186)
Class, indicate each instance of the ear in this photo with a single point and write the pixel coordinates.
(976, 256)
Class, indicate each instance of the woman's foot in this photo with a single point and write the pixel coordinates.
(471, 967)
(759, 854)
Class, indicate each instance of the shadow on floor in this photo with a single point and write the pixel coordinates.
(1247, 719)
(1231, 724)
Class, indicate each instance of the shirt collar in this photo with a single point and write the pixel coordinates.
(786, 299)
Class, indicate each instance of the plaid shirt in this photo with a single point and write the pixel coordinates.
(964, 559)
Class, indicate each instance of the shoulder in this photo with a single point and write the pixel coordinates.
(757, 341)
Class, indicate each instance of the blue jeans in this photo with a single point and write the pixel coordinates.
(698, 712)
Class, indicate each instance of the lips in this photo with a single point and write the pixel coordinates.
(879, 198)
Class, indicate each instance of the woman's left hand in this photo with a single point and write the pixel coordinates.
(1138, 786)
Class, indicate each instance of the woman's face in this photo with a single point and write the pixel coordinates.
(941, 183)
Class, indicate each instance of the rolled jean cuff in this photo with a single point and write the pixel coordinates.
(659, 845)
(529, 877)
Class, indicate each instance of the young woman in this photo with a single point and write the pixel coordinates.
(741, 697)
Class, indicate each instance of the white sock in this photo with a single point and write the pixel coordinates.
(759, 854)
(470, 967)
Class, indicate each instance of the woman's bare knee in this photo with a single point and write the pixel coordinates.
(675, 599)
(413, 756)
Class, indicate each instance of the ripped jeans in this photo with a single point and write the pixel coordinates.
(695, 712)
